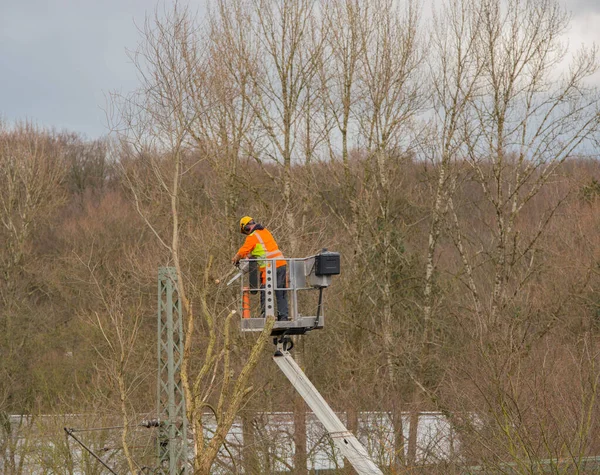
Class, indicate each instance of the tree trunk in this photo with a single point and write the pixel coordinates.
(411, 457)
(250, 459)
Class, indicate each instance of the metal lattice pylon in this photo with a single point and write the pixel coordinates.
(172, 439)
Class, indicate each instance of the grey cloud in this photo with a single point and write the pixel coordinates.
(582, 7)
(58, 57)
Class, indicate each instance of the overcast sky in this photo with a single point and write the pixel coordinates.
(59, 58)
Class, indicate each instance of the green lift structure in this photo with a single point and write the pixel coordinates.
(172, 438)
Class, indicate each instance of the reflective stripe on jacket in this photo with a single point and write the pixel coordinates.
(261, 245)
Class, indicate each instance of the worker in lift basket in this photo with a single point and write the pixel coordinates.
(261, 245)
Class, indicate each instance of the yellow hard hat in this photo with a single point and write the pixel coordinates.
(244, 221)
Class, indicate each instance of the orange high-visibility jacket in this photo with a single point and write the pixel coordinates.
(261, 245)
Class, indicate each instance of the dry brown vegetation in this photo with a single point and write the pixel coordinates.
(453, 167)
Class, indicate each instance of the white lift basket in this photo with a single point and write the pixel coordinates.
(304, 275)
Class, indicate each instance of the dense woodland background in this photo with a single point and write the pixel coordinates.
(451, 160)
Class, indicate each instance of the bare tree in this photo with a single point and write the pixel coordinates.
(454, 77)
(524, 116)
(224, 129)
(158, 124)
(32, 177)
(278, 48)
(392, 95)
(341, 61)
(32, 174)
(120, 323)
(288, 47)
(529, 120)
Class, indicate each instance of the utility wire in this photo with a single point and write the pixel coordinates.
(70, 433)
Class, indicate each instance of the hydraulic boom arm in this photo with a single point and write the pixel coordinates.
(344, 440)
